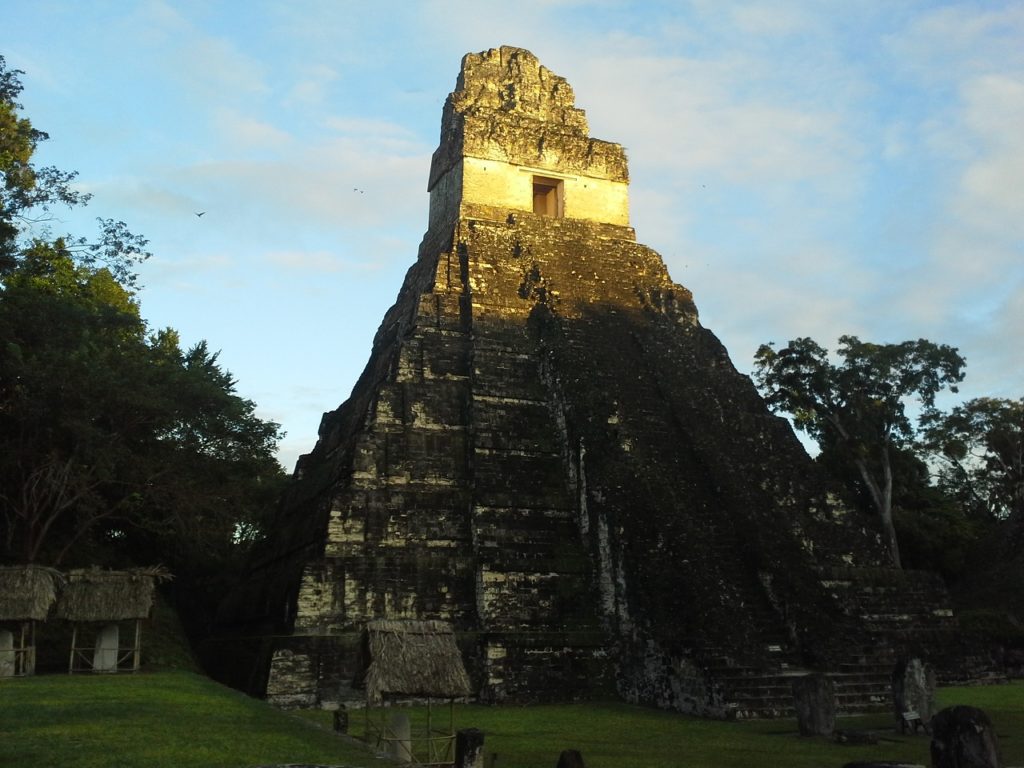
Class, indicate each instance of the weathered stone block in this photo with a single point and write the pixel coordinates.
(815, 700)
(469, 748)
(963, 737)
(913, 693)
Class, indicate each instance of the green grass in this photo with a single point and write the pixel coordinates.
(616, 735)
(177, 718)
(154, 720)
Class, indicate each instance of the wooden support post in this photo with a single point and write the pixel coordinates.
(430, 735)
(137, 650)
(29, 656)
(74, 647)
(10, 651)
(450, 744)
(366, 720)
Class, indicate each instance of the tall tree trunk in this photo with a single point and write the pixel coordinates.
(886, 510)
(881, 497)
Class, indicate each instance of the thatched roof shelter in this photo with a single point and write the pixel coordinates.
(93, 594)
(27, 592)
(412, 658)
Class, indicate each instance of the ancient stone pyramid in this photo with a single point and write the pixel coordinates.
(547, 450)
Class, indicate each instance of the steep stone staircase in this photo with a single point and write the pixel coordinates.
(888, 613)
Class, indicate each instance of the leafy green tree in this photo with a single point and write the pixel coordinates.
(115, 444)
(981, 443)
(113, 437)
(980, 450)
(62, 328)
(27, 192)
(933, 531)
(858, 408)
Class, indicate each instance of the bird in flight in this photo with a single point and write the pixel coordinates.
(356, 189)
(200, 214)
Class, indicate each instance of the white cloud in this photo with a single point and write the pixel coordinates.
(317, 262)
(771, 19)
(730, 115)
(142, 193)
(960, 39)
(311, 89)
(179, 274)
(332, 183)
(991, 192)
(368, 127)
(974, 269)
(211, 67)
(246, 132)
(217, 68)
(816, 290)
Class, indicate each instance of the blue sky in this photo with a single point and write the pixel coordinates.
(806, 168)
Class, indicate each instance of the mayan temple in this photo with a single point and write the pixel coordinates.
(547, 450)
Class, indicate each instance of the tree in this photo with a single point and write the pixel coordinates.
(114, 442)
(979, 446)
(62, 329)
(933, 532)
(981, 443)
(859, 408)
(27, 192)
(111, 438)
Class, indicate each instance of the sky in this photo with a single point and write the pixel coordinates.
(806, 168)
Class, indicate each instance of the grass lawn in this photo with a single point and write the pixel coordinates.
(616, 735)
(171, 719)
(177, 718)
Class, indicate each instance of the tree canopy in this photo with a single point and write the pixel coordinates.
(115, 442)
(982, 444)
(28, 192)
(858, 409)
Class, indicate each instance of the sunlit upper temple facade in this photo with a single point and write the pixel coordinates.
(538, 158)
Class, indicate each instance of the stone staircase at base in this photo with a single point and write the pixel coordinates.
(757, 693)
(889, 613)
(863, 689)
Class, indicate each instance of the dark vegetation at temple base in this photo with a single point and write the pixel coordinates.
(118, 446)
(857, 410)
(953, 481)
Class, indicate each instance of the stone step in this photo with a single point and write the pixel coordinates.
(863, 687)
(755, 693)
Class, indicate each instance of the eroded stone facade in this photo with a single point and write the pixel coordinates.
(549, 451)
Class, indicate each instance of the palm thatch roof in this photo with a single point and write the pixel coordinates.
(412, 658)
(92, 594)
(27, 592)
